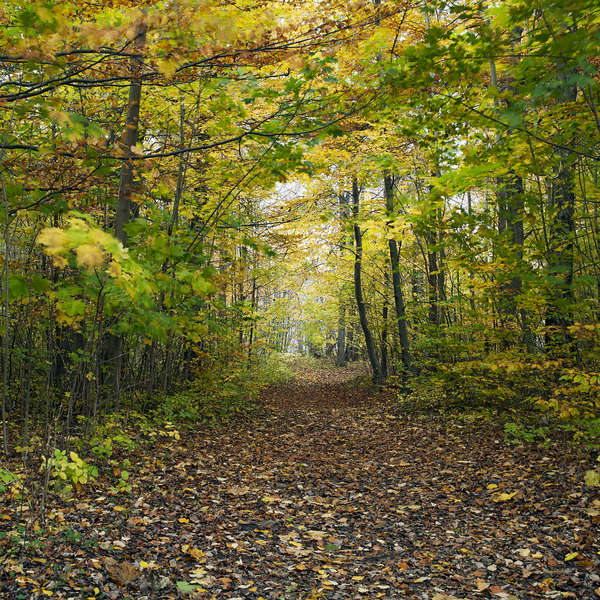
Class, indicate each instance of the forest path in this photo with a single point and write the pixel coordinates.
(337, 495)
(331, 494)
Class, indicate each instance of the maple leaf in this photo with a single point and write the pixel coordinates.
(54, 239)
(89, 255)
(114, 269)
(592, 478)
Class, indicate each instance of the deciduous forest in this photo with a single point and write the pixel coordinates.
(300, 299)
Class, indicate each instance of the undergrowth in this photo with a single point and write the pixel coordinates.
(217, 396)
(533, 400)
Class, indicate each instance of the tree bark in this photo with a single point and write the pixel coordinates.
(130, 137)
(510, 210)
(396, 282)
(360, 303)
(341, 333)
(561, 260)
(122, 212)
(341, 337)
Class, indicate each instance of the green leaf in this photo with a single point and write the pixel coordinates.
(187, 588)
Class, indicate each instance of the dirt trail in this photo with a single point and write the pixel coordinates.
(334, 495)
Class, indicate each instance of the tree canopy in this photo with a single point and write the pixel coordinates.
(189, 185)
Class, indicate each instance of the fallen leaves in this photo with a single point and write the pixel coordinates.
(237, 490)
(122, 573)
(503, 497)
(329, 493)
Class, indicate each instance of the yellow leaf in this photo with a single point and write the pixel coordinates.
(89, 256)
(167, 68)
(53, 238)
(358, 578)
(143, 564)
(492, 486)
(572, 556)
(195, 553)
(183, 520)
(114, 269)
(316, 535)
(60, 262)
(524, 552)
(500, 497)
(119, 508)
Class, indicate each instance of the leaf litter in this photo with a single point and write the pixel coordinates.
(332, 493)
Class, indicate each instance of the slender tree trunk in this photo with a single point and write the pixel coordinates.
(562, 207)
(122, 213)
(253, 322)
(510, 216)
(130, 137)
(432, 284)
(396, 282)
(384, 342)
(341, 333)
(341, 337)
(360, 303)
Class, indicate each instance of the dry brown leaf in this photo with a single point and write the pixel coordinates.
(481, 584)
(316, 535)
(121, 573)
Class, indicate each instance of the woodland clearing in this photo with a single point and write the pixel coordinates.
(330, 491)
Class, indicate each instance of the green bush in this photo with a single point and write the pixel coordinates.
(68, 472)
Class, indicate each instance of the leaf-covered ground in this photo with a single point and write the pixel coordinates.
(331, 493)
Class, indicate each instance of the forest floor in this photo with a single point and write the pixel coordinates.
(331, 492)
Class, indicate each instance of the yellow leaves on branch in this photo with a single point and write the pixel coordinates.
(89, 256)
(54, 239)
(90, 245)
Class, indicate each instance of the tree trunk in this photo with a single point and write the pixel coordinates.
(341, 337)
(341, 333)
(510, 210)
(562, 207)
(122, 213)
(432, 284)
(396, 283)
(130, 137)
(360, 304)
